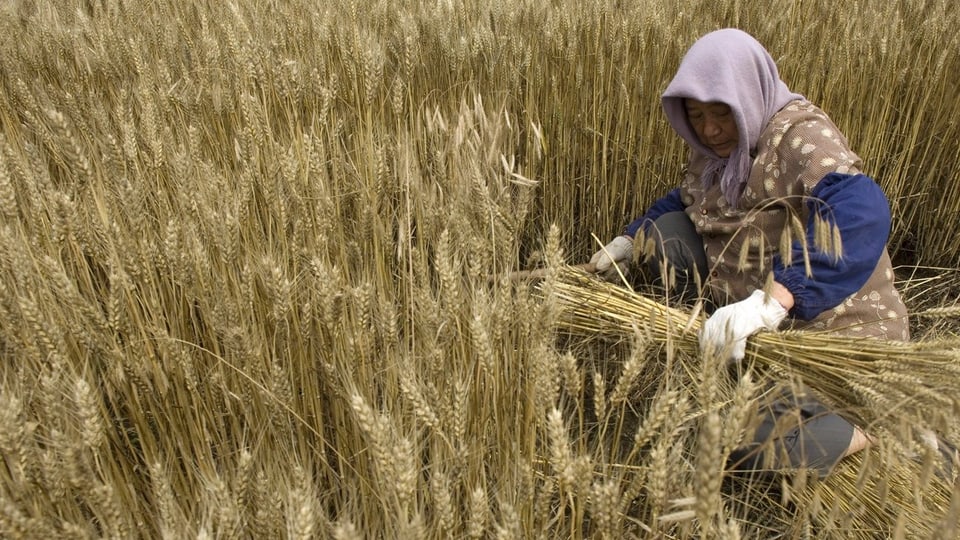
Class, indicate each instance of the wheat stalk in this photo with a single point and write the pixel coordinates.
(920, 382)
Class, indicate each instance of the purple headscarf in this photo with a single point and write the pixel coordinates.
(731, 67)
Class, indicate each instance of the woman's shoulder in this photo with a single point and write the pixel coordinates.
(799, 120)
(802, 142)
(799, 109)
(798, 126)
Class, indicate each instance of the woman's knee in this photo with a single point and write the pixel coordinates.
(678, 251)
(817, 439)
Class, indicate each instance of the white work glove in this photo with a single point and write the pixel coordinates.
(730, 326)
(618, 252)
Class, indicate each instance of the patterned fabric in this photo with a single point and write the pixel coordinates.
(798, 147)
(851, 215)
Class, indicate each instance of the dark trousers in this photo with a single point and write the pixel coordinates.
(679, 262)
(796, 431)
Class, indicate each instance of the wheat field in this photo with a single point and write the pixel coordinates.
(256, 254)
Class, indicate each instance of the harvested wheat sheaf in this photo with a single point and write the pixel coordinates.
(896, 390)
(876, 383)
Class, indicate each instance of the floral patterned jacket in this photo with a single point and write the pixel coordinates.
(808, 216)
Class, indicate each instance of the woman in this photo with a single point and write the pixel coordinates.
(768, 174)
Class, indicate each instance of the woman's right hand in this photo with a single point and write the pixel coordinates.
(616, 254)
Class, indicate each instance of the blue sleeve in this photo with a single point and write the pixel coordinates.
(859, 210)
(671, 202)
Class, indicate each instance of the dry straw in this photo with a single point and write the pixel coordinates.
(895, 390)
(874, 382)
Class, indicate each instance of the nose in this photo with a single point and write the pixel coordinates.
(711, 127)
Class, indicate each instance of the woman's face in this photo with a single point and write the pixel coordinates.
(714, 124)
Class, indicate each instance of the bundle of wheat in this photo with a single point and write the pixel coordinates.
(899, 488)
(882, 385)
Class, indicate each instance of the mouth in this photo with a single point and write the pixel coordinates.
(722, 148)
